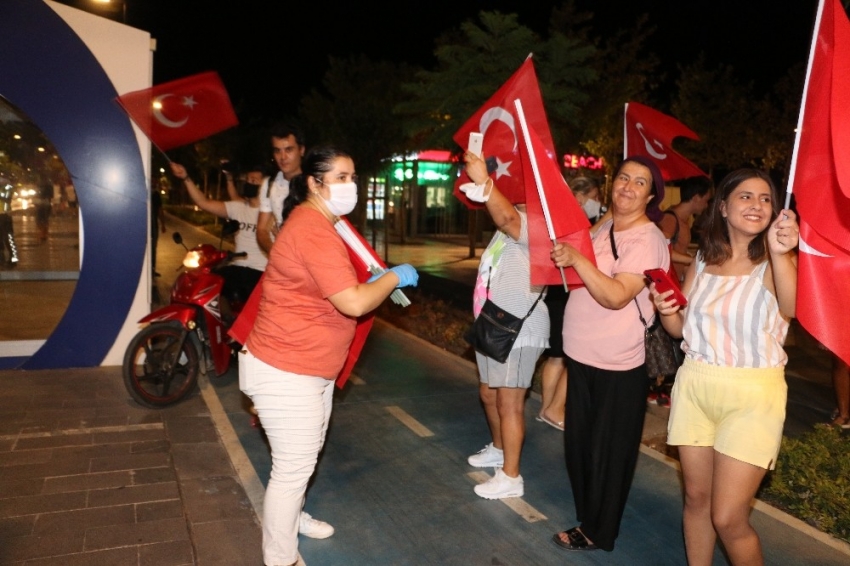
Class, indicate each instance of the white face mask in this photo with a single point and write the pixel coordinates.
(591, 208)
(343, 198)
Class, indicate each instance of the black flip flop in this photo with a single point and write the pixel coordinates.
(577, 540)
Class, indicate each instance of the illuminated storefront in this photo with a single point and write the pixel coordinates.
(413, 196)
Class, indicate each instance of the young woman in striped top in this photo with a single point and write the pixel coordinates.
(728, 401)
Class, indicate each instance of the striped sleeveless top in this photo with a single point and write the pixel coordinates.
(734, 321)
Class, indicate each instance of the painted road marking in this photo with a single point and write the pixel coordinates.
(248, 477)
(409, 421)
(517, 504)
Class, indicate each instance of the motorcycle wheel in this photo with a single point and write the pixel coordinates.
(157, 371)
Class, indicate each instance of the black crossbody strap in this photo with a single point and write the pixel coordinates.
(490, 272)
(614, 251)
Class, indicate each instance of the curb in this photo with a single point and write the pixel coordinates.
(758, 505)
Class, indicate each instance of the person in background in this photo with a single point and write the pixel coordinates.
(728, 401)
(504, 277)
(841, 384)
(604, 341)
(242, 274)
(43, 207)
(553, 379)
(311, 298)
(287, 141)
(157, 224)
(587, 193)
(7, 231)
(676, 222)
(553, 374)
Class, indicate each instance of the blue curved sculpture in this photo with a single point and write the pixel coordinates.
(48, 72)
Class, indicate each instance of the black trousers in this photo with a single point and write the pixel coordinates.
(603, 428)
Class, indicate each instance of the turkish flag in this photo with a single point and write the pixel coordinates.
(553, 212)
(241, 327)
(820, 166)
(180, 112)
(822, 290)
(820, 181)
(497, 120)
(650, 133)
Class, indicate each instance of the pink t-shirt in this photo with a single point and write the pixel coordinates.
(297, 328)
(613, 339)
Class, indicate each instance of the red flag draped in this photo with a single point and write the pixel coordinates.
(241, 327)
(650, 133)
(497, 120)
(820, 182)
(822, 291)
(820, 172)
(181, 112)
(569, 222)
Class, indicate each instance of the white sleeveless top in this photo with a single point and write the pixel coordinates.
(734, 321)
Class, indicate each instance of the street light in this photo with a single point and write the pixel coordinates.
(123, 7)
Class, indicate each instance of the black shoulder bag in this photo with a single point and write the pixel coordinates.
(663, 353)
(495, 330)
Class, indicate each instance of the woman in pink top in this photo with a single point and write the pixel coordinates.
(300, 340)
(728, 401)
(604, 342)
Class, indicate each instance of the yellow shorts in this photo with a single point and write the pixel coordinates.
(738, 411)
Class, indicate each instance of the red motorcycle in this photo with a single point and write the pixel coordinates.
(188, 336)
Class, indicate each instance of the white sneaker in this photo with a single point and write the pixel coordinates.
(487, 457)
(501, 486)
(313, 528)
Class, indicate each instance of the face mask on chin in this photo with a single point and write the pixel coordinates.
(250, 190)
(343, 198)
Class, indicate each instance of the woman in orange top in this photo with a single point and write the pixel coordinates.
(305, 325)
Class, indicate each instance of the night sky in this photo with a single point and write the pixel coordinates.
(268, 58)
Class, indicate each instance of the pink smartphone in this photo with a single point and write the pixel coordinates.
(663, 283)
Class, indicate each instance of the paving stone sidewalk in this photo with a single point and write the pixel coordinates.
(87, 477)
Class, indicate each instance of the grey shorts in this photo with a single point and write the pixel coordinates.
(517, 371)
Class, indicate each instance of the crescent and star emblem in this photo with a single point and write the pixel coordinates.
(497, 113)
(651, 145)
(807, 249)
(188, 102)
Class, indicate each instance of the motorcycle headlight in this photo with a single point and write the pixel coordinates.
(192, 260)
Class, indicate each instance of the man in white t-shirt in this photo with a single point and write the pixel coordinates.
(287, 150)
(242, 274)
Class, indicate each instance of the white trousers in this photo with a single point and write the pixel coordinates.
(294, 411)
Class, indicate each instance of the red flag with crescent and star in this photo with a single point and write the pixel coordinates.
(650, 133)
(180, 112)
(820, 181)
(554, 214)
(497, 120)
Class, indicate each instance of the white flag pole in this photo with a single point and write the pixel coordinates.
(793, 170)
(537, 181)
(625, 131)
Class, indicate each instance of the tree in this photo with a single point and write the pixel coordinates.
(715, 105)
(352, 112)
(626, 72)
(472, 63)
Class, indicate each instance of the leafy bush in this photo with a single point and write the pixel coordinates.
(811, 480)
(433, 320)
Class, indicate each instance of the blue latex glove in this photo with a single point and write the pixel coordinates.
(407, 275)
